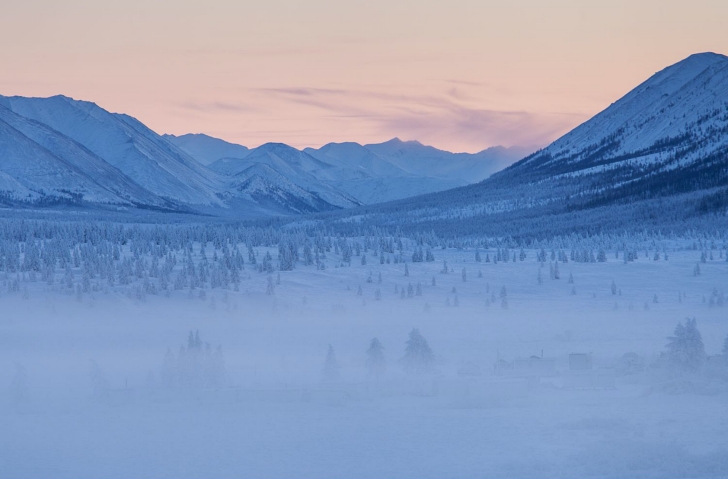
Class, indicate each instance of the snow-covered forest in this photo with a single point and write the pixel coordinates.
(299, 351)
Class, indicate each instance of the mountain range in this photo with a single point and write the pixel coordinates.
(366, 174)
(658, 155)
(60, 151)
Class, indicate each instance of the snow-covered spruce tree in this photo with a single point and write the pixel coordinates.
(375, 363)
(330, 372)
(418, 357)
(685, 350)
(504, 297)
(464, 275)
(614, 288)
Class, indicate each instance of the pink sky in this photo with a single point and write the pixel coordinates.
(460, 75)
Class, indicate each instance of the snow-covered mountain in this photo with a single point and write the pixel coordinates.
(207, 149)
(266, 187)
(655, 157)
(38, 163)
(668, 135)
(126, 144)
(296, 166)
(59, 149)
(372, 179)
(359, 172)
(422, 160)
(362, 161)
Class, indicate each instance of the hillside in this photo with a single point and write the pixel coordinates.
(657, 158)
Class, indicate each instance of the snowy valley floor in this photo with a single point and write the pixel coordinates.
(274, 417)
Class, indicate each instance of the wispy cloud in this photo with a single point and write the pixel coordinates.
(217, 106)
(448, 119)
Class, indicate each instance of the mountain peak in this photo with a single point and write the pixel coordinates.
(709, 57)
(684, 71)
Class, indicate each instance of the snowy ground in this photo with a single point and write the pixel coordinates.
(275, 418)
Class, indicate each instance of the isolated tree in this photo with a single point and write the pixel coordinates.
(685, 349)
(375, 363)
(331, 367)
(464, 275)
(406, 270)
(418, 357)
(614, 287)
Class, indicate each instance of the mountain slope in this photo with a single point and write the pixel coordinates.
(56, 168)
(266, 187)
(423, 160)
(206, 149)
(357, 158)
(668, 135)
(296, 166)
(126, 144)
(372, 179)
(658, 157)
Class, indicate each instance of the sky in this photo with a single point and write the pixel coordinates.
(459, 75)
